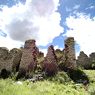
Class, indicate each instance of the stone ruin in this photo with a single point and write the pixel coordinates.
(25, 60)
(92, 57)
(9, 60)
(15, 55)
(28, 61)
(51, 57)
(50, 65)
(5, 62)
(69, 58)
(83, 60)
(40, 58)
(92, 60)
(86, 62)
(59, 54)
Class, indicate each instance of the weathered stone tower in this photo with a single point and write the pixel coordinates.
(69, 52)
(29, 54)
(51, 57)
(50, 65)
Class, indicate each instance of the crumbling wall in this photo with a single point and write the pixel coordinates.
(9, 59)
(25, 59)
(5, 63)
(83, 60)
(50, 65)
(69, 52)
(29, 56)
(59, 54)
(92, 57)
(15, 56)
(92, 60)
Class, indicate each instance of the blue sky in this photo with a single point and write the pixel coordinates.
(48, 22)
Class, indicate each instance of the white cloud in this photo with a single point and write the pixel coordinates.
(57, 47)
(68, 9)
(90, 7)
(36, 19)
(7, 42)
(76, 7)
(44, 51)
(82, 29)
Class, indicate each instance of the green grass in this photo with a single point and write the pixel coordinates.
(9, 87)
(91, 75)
(54, 86)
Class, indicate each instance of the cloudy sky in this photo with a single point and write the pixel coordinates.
(48, 22)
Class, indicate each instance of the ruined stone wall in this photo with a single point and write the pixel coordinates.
(4, 62)
(59, 53)
(83, 60)
(15, 56)
(29, 56)
(69, 52)
(9, 59)
(50, 65)
(40, 58)
(26, 58)
(92, 57)
(51, 57)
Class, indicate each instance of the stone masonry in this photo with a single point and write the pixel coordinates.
(51, 57)
(15, 55)
(50, 62)
(29, 55)
(9, 59)
(26, 58)
(92, 57)
(83, 60)
(69, 53)
(59, 54)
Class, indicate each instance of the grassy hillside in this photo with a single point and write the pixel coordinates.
(59, 85)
